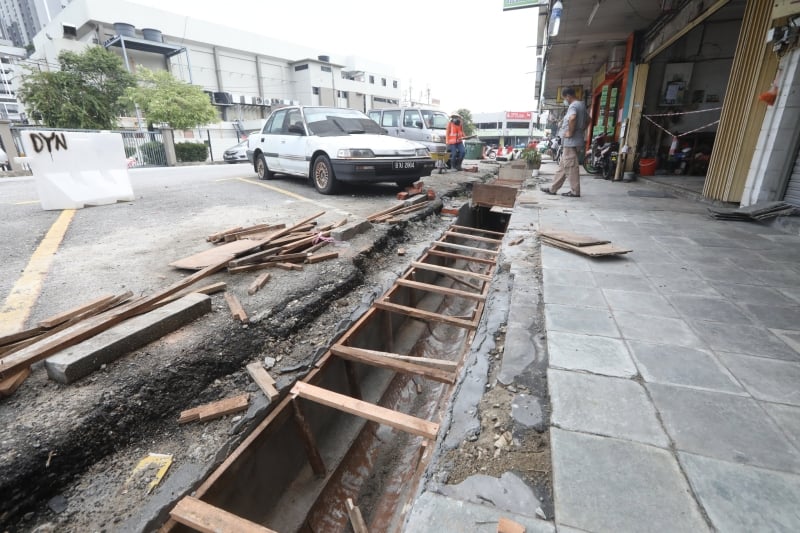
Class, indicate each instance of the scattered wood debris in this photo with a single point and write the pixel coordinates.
(755, 212)
(389, 215)
(236, 308)
(356, 519)
(311, 259)
(516, 241)
(401, 251)
(213, 410)
(263, 380)
(582, 244)
(258, 284)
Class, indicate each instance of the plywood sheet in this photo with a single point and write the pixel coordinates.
(214, 255)
(596, 250)
(490, 195)
(572, 238)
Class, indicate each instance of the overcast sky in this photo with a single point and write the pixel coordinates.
(470, 54)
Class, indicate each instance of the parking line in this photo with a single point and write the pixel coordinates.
(295, 196)
(26, 290)
(27, 202)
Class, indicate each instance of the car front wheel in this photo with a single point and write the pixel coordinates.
(262, 170)
(322, 176)
(406, 182)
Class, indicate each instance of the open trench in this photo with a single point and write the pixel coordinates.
(362, 424)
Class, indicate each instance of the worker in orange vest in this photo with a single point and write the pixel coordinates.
(455, 141)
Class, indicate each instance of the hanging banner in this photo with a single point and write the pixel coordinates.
(508, 5)
(518, 115)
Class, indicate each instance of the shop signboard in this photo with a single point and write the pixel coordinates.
(509, 5)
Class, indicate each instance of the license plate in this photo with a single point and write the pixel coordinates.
(403, 164)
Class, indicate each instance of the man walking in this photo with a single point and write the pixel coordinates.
(573, 138)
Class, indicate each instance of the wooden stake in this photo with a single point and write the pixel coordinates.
(356, 520)
(263, 380)
(237, 311)
(213, 410)
(322, 257)
(314, 457)
(259, 283)
(352, 380)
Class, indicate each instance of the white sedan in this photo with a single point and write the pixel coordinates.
(329, 145)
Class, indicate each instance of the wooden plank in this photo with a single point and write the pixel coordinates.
(308, 241)
(94, 325)
(258, 228)
(464, 282)
(371, 358)
(471, 237)
(294, 228)
(214, 237)
(376, 413)
(263, 380)
(462, 257)
(448, 270)
(214, 255)
(441, 364)
(316, 247)
(25, 334)
(572, 238)
(9, 385)
(440, 290)
(597, 250)
(259, 283)
(228, 406)
(488, 195)
(454, 246)
(255, 257)
(236, 308)
(356, 519)
(478, 230)
(289, 266)
(321, 257)
(384, 212)
(309, 442)
(206, 518)
(424, 315)
(249, 268)
(75, 311)
(505, 525)
(516, 241)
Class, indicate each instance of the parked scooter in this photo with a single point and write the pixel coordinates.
(608, 160)
(592, 161)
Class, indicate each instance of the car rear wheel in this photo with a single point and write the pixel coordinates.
(322, 176)
(262, 170)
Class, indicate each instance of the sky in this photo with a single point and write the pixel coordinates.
(470, 54)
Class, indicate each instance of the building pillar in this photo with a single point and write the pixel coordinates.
(7, 138)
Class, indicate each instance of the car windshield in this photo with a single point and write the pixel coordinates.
(435, 119)
(329, 121)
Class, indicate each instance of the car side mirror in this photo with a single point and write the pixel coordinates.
(418, 125)
(297, 130)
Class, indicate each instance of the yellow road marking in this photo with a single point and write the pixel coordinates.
(26, 290)
(27, 202)
(226, 179)
(295, 196)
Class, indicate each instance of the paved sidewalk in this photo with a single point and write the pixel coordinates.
(674, 371)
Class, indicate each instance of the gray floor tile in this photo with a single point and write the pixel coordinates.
(784, 253)
(766, 379)
(724, 426)
(656, 330)
(788, 419)
(623, 282)
(604, 484)
(555, 258)
(719, 242)
(663, 269)
(586, 320)
(752, 294)
(560, 276)
(637, 302)
(790, 336)
(778, 278)
(741, 338)
(706, 308)
(671, 242)
(754, 261)
(671, 285)
(577, 296)
(619, 264)
(744, 499)
(712, 270)
(776, 316)
(599, 355)
(603, 405)
(791, 292)
(678, 365)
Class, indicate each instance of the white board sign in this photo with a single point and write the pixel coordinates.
(76, 169)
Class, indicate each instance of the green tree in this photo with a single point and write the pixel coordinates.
(84, 93)
(466, 121)
(165, 99)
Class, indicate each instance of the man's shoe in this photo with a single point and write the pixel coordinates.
(546, 189)
(570, 194)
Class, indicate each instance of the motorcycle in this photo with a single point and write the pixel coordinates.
(608, 163)
(601, 158)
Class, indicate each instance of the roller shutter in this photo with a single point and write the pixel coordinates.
(792, 195)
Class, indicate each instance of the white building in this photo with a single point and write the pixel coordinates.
(10, 108)
(507, 127)
(244, 73)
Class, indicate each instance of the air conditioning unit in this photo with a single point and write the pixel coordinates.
(223, 98)
(242, 98)
(257, 100)
(275, 101)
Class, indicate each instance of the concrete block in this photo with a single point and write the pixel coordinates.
(507, 493)
(84, 358)
(348, 231)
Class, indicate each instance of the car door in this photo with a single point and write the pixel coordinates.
(390, 121)
(271, 137)
(293, 143)
(412, 125)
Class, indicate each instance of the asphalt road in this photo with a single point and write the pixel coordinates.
(129, 245)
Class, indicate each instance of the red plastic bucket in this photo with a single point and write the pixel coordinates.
(647, 167)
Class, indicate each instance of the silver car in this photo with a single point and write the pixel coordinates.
(236, 154)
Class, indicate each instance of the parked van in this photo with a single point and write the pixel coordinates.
(421, 124)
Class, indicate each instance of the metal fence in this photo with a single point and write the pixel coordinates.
(142, 148)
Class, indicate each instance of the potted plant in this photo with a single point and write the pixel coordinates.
(532, 157)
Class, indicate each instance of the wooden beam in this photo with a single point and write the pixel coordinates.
(249, 268)
(310, 443)
(258, 284)
(75, 311)
(464, 282)
(321, 257)
(258, 228)
(385, 212)
(217, 409)
(440, 290)
(214, 237)
(289, 266)
(25, 334)
(371, 358)
(449, 255)
(263, 380)
(448, 270)
(447, 366)
(356, 520)
(376, 413)
(206, 518)
(254, 257)
(424, 315)
(471, 237)
(85, 329)
(478, 230)
(10, 385)
(236, 308)
(454, 246)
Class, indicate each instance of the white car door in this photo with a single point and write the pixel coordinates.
(270, 139)
(292, 148)
(391, 122)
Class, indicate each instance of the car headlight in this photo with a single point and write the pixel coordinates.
(423, 152)
(437, 138)
(356, 152)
